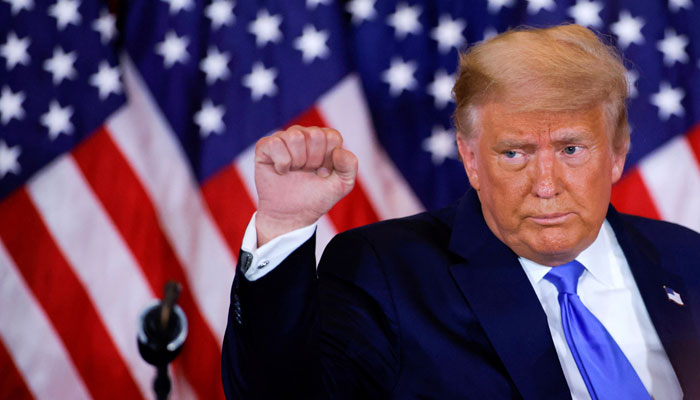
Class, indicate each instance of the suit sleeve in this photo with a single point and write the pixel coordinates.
(292, 334)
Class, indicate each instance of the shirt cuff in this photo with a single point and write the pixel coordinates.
(264, 259)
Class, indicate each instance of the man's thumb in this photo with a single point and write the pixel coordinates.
(345, 165)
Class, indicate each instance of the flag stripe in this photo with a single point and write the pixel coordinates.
(324, 233)
(345, 109)
(65, 201)
(694, 141)
(631, 195)
(12, 385)
(32, 342)
(129, 207)
(142, 135)
(65, 301)
(672, 175)
(230, 205)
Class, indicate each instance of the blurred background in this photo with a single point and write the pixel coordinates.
(126, 151)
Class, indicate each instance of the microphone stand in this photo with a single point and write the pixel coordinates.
(162, 333)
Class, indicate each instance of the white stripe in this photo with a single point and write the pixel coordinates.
(144, 137)
(325, 231)
(672, 175)
(32, 341)
(344, 108)
(245, 164)
(99, 257)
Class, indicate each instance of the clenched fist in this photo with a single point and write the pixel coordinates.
(300, 173)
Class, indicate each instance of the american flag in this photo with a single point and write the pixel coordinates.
(126, 148)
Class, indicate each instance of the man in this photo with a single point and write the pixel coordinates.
(530, 286)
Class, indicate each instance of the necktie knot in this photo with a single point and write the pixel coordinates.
(565, 277)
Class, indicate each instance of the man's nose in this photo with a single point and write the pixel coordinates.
(546, 181)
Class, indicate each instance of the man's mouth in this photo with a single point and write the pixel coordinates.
(551, 218)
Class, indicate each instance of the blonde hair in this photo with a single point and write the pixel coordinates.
(562, 68)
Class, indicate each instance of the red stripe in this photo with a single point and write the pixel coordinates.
(230, 205)
(693, 138)
(131, 210)
(630, 195)
(12, 385)
(64, 299)
(353, 210)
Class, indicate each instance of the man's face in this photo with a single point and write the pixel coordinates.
(543, 178)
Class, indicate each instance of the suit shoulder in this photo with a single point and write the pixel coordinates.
(423, 227)
(663, 233)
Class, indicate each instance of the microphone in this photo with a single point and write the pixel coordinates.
(162, 333)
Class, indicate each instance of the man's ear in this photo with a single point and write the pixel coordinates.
(618, 165)
(467, 151)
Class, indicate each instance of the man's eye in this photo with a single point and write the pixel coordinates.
(510, 153)
(570, 149)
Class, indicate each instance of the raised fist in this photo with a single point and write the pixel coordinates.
(300, 173)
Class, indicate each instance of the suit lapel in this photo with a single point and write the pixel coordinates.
(499, 293)
(673, 323)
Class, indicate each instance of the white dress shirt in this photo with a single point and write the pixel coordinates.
(609, 291)
(272, 253)
(606, 287)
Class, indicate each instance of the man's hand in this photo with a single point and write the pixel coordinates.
(300, 174)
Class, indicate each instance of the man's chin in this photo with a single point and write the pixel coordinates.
(554, 246)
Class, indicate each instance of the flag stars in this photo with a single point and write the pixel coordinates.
(57, 120)
(173, 49)
(448, 33)
(441, 145)
(399, 76)
(312, 44)
(215, 65)
(220, 12)
(535, 6)
(628, 30)
(65, 12)
(210, 119)
(631, 76)
(441, 88)
(668, 100)
(495, 6)
(673, 47)
(8, 159)
(11, 105)
(361, 10)
(587, 13)
(105, 25)
(60, 65)
(676, 5)
(266, 28)
(178, 5)
(106, 80)
(19, 5)
(312, 4)
(15, 51)
(405, 20)
(261, 81)
(489, 32)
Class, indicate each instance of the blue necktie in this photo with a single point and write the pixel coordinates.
(604, 368)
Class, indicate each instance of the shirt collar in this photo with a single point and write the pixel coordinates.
(596, 259)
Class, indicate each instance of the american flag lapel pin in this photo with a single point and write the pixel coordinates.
(673, 296)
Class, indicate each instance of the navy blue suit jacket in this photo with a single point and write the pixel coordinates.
(434, 306)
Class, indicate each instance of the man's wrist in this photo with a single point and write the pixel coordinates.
(268, 226)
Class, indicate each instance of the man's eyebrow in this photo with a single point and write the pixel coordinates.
(515, 143)
(570, 135)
